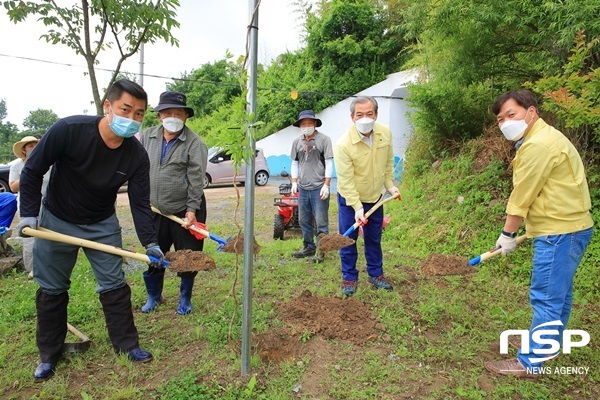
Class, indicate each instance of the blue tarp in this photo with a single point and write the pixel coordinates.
(8, 208)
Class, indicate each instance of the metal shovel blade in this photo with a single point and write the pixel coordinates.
(77, 347)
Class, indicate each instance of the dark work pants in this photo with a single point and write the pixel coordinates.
(170, 233)
(53, 264)
(51, 324)
(116, 305)
(372, 241)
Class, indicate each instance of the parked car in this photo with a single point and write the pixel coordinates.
(4, 174)
(220, 168)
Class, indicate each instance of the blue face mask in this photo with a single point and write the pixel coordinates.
(124, 127)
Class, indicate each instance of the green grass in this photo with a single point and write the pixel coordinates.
(439, 330)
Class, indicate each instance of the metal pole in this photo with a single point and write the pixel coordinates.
(141, 74)
(249, 193)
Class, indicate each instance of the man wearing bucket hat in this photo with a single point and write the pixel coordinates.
(22, 149)
(312, 166)
(178, 158)
(92, 157)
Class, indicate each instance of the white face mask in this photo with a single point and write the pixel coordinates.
(172, 124)
(513, 129)
(307, 131)
(365, 125)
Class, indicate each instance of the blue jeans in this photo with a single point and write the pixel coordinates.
(555, 261)
(309, 205)
(371, 236)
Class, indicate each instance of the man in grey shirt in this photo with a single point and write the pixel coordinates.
(312, 155)
(178, 159)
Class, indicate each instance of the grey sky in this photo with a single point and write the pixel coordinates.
(208, 29)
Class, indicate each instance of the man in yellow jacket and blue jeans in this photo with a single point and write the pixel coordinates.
(364, 163)
(551, 194)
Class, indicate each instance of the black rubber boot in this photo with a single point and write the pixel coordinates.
(116, 306)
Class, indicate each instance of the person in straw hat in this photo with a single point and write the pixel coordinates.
(22, 149)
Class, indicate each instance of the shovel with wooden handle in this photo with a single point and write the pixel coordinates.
(371, 211)
(493, 252)
(336, 241)
(47, 234)
(194, 228)
(77, 347)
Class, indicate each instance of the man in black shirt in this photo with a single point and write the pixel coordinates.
(92, 157)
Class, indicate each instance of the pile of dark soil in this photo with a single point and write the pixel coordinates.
(333, 318)
(334, 241)
(189, 260)
(236, 245)
(444, 264)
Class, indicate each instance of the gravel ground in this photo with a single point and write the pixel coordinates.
(216, 194)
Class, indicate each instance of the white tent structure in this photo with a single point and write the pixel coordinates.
(393, 110)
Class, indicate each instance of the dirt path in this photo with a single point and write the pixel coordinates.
(222, 195)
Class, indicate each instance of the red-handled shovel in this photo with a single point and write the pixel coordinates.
(197, 229)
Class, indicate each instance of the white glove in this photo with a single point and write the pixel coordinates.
(507, 244)
(359, 216)
(294, 187)
(393, 190)
(324, 192)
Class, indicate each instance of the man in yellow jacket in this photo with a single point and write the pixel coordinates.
(551, 194)
(364, 163)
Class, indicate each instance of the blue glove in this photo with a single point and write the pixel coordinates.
(27, 222)
(157, 258)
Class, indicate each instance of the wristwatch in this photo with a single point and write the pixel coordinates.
(509, 234)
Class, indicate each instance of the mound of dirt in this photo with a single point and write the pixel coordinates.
(189, 260)
(332, 318)
(444, 264)
(334, 241)
(236, 245)
(277, 345)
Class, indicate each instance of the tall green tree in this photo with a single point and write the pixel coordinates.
(9, 133)
(211, 85)
(472, 50)
(3, 110)
(286, 87)
(574, 96)
(95, 26)
(38, 121)
(348, 48)
(349, 45)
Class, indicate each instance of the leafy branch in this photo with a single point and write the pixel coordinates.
(84, 27)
